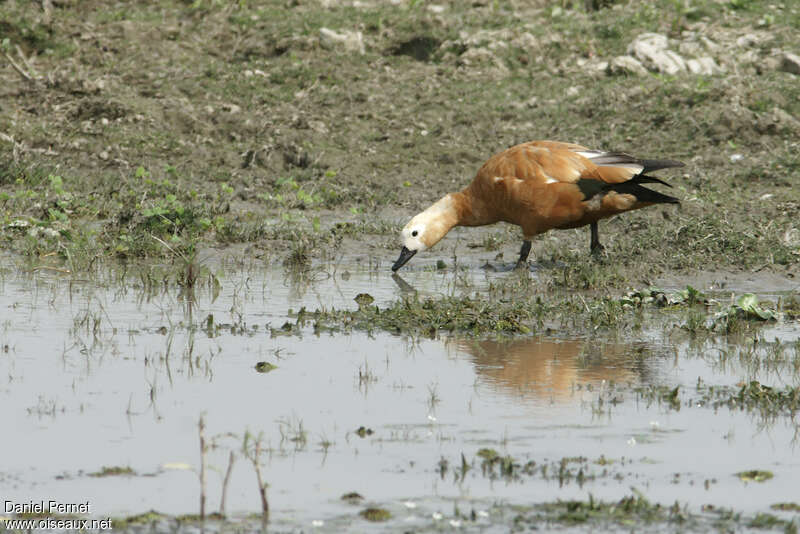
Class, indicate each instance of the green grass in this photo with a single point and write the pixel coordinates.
(254, 133)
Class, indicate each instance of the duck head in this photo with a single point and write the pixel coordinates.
(426, 229)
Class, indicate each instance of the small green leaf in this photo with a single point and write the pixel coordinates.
(364, 299)
(265, 367)
(754, 475)
(748, 303)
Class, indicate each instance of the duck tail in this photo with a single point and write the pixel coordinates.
(644, 179)
(643, 194)
(657, 164)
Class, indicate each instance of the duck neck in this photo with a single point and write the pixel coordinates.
(441, 217)
(471, 211)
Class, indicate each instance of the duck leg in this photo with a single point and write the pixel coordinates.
(595, 247)
(523, 254)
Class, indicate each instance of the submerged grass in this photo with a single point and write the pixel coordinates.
(630, 511)
(135, 139)
(765, 402)
(113, 471)
(518, 306)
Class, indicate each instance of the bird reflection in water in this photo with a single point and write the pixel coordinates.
(547, 368)
(551, 369)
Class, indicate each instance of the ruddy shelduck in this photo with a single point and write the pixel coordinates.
(539, 186)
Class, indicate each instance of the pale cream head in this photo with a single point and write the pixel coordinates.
(427, 228)
(414, 233)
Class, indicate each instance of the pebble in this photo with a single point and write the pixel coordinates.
(652, 50)
(348, 40)
(790, 63)
(626, 65)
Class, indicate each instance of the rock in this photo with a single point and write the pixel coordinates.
(651, 49)
(710, 45)
(703, 65)
(525, 41)
(485, 37)
(476, 57)
(790, 63)
(626, 65)
(775, 122)
(748, 57)
(647, 42)
(671, 63)
(318, 126)
(768, 63)
(747, 40)
(689, 48)
(785, 119)
(350, 41)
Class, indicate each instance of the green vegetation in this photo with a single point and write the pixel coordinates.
(514, 306)
(375, 514)
(265, 367)
(752, 397)
(283, 141)
(114, 471)
(151, 136)
(140, 519)
(754, 475)
(630, 511)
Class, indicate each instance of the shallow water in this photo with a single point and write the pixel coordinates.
(109, 373)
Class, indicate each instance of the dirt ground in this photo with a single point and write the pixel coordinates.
(314, 128)
(181, 136)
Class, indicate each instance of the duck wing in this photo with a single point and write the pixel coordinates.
(545, 162)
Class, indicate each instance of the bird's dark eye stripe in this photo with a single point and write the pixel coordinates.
(414, 233)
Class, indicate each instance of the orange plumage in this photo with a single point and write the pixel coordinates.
(539, 186)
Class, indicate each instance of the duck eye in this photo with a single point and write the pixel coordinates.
(414, 233)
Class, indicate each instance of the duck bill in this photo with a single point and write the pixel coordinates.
(405, 255)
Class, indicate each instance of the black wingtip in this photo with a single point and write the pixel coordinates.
(643, 194)
(658, 164)
(644, 179)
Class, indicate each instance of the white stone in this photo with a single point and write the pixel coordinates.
(650, 41)
(790, 63)
(350, 41)
(671, 63)
(710, 45)
(626, 65)
(652, 50)
(747, 40)
(689, 48)
(525, 41)
(475, 57)
(747, 57)
(702, 65)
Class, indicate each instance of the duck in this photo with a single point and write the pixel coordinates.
(541, 186)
